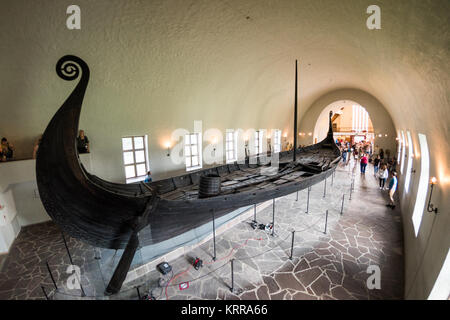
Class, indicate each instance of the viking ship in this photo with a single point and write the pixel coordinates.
(127, 216)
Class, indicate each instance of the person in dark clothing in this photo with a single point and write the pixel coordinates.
(376, 165)
(344, 155)
(6, 150)
(82, 143)
(381, 154)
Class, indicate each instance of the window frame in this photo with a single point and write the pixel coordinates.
(233, 142)
(134, 163)
(409, 164)
(422, 189)
(191, 167)
(276, 141)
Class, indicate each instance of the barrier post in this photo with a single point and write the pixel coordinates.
(350, 198)
(292, 245)
(139, 294)
(45, 293)
(326, 222)
(67, 248)
(51, 275)
(273, 217)
(307, 201)
(214, 234)
(232, 275)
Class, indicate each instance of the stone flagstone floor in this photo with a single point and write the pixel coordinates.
(331, 265)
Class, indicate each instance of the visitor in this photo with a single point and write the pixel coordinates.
(363, 162)
(36, 146)
(392, 189)
(2, 155)
(349, 154)
(7, 151)
(376, 165)
(344, 155)
(381, 154)
(82, 143)
(382, 176)
(148, 178)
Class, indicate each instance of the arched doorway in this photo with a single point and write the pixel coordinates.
(351, 123)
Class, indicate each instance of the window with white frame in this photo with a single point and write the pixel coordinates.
(410, 162)
(360, 119)
(258, 142)
(422, 190)
(402, 163)
(230, 146)
(400, 142)
(276, 141)
(193, 151)
(135, 158)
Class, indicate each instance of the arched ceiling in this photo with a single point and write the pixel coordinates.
(163, 64)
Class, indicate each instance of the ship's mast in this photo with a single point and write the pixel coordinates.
(295, 112)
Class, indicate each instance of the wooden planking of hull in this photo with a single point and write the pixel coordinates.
(117, 216)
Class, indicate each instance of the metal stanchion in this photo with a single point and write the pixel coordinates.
(273, 217)
(342, 207)
(292, 245)
(326, 222)
(307, 201)
(45, 293)
(325, 188)
(232, 275)
(254, 212)
(139, 294)
(67, 248)
(214, 234)
(350, 198)
(297, 197)
(332, 178)
(51, 275)
(83, 294)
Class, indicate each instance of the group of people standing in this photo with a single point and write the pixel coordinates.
(362, 152)
(7, 149)
(381, 170)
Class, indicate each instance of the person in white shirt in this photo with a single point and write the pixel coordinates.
(382, 176)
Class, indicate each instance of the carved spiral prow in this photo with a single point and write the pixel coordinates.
(68, 68)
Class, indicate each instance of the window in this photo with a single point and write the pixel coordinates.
(400, 143)
(403, 153)
(276, 141)
(410, 161)
(441, 288)
(230, 146)
(258, 142)
(422, 190)
(193, 151)
(360, 119)
(135, 158)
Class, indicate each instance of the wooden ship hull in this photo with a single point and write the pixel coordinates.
(126, 216)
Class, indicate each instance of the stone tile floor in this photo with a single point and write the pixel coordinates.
(331, 265)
